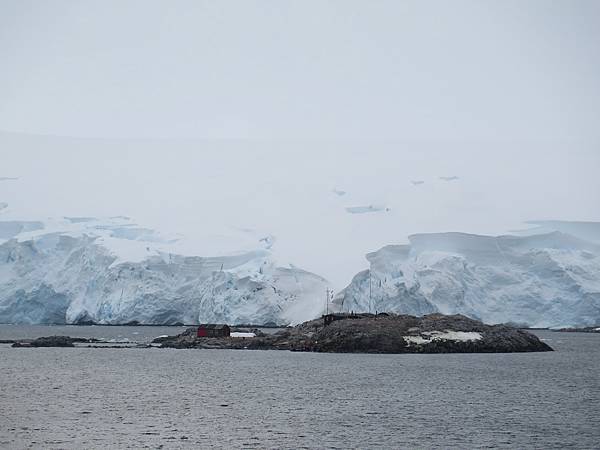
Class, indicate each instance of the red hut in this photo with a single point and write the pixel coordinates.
(213, 330)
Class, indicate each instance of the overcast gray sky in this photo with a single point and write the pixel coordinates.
(516, 69)
(205, 117)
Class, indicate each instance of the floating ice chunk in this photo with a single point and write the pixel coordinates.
(452, 178)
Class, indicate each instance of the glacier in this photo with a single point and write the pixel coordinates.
(111, 271)
(538, 280)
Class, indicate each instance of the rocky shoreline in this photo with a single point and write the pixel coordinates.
(57, 341)
(595, 329)
(389, 333)
(351, 333)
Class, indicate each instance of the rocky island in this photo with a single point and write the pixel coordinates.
(341, 333)
(594, 329)
(383, 333)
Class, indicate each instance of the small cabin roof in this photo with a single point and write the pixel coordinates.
(213, 326)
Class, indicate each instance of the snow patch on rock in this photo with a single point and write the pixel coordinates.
(447, 335)
(240, 334)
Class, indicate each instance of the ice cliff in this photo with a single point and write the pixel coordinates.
(543, 280)
(85, 270)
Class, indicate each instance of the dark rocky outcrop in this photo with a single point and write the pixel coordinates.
(47, 341)
(53, 341)
(595, 329)
(367, 333)
(356, 333)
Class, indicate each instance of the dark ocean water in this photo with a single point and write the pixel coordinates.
(165, 398)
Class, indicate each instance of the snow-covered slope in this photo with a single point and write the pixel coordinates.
(546, 280)
(589, 231)
(112, 271)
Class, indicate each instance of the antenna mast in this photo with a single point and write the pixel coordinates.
(370, 291)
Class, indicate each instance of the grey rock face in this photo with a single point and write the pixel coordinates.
(47, 341)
